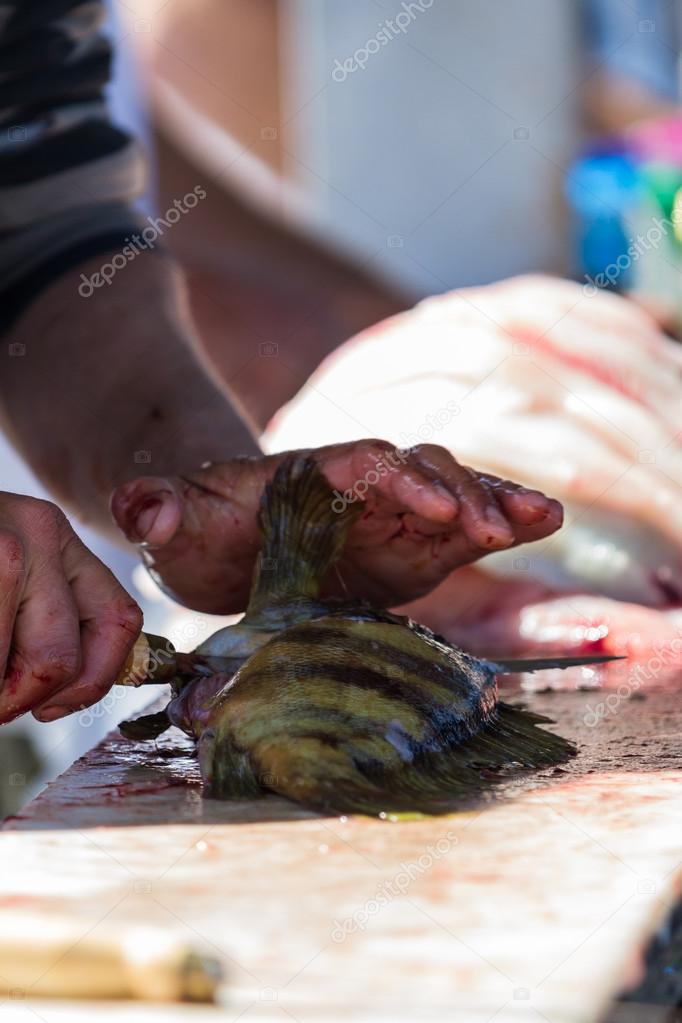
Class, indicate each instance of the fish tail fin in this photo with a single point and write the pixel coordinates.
(517, 731)
(303, 533)
(511, 667)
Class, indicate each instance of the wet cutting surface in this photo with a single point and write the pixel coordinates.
(620, 720)
(537, 903)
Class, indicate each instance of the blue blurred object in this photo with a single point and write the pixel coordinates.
(604, 189)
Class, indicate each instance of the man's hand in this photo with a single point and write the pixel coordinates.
(424, 515)
(66, 625)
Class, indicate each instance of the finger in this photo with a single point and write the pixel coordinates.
(110, 622)
(12, 579)
(148, 510)
(45, 652)
(372, 467)
(480, 515)
(523, 505)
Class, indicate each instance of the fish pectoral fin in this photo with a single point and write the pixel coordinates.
(149, 726)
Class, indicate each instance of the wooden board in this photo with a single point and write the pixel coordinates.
(535, 905)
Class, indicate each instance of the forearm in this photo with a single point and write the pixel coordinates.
(106, 388)
(268, 282)
(99, 384)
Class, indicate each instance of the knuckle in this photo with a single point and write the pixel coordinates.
(377, 446)
(130, 615)
(46, 517)
(375, 449)
(426, 450)
(12, 551)
(57, 664)
(123, 614)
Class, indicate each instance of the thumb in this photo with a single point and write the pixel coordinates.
(148, 510)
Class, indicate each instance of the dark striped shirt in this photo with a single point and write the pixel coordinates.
(67, 174)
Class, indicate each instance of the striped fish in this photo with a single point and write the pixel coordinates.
(339, 705)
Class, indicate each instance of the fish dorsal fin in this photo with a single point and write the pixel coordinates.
(302, 534)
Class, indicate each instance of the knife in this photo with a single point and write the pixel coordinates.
(44, 956)
(154, 659)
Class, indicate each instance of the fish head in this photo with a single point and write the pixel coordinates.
(192, 708)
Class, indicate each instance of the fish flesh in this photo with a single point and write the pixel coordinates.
(339, 705)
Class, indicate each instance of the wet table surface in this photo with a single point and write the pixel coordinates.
(536, 903)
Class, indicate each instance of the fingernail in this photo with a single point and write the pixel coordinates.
(46, 714)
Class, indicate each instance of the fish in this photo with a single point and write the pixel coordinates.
(338, 705)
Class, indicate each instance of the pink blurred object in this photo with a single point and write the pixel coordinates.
(657, 140)
(544, 382)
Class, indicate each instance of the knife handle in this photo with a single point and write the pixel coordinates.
(152, 659)
(140, 963)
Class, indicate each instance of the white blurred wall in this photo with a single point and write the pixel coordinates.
(441, 161)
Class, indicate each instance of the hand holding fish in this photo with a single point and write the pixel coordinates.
(424, 514)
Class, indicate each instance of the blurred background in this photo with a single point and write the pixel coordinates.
(415, 146)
